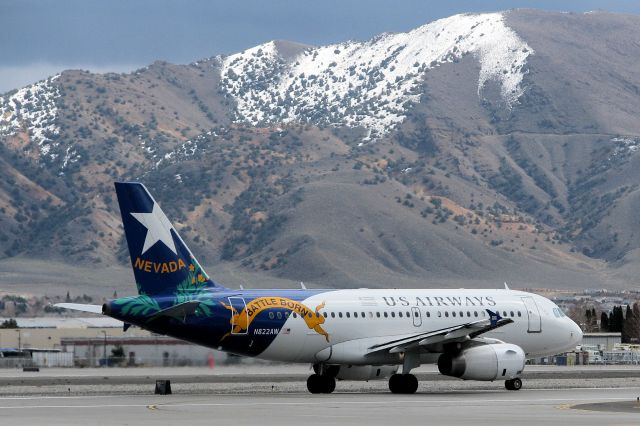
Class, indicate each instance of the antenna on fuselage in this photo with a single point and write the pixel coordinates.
(241, 287)
(506, 287)
(302, 286)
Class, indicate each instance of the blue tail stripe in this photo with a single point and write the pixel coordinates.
(160, 259)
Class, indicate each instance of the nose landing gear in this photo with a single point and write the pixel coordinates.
(403, 383)
(513, 384)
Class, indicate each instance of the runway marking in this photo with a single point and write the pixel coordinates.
(327, 402)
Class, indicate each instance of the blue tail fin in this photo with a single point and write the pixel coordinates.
(161, 260)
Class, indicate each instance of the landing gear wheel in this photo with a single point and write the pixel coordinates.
(330, 384)
(403, 383)
(395, 383)
(314, 383)
(513, 384)
(321, 384)
(410, 383)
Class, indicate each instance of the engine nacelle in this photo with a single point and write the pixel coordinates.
(501, 361)
(363, 372)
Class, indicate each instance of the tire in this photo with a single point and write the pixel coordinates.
(314, 383)
(329, 384)
(410, 383)
(513, 384)
(516, 384)
(396, 383)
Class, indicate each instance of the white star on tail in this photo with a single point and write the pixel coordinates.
(158, 229)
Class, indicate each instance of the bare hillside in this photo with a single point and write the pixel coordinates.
(470, 151)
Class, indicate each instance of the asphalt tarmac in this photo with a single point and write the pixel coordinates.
(572, 396)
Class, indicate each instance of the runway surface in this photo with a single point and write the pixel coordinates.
(276, 395)
(478, 407)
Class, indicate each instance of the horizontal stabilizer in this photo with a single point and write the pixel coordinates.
(180, 311)
(94, 309)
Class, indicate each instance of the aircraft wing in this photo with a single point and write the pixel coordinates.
(94, 309)
(437, 338)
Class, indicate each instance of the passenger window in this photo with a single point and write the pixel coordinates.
(408, 314)
(348, 315)
(363, 315)
(279, 315)
(468, 313)
(333, 314)
(386, 315)
(340, 314)
(295, 315)
(512, 315)
(461, 313)
(504, 314)
(446, 314)
(475, 314)
(400, 314)
(428, 314)
(355, 315)
(453, 314)
(271, 315)
(378, 314)
(325, 314)
(439, 314)
(393, 314)
(519, 314)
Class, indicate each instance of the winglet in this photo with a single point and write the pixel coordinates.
(494, 317)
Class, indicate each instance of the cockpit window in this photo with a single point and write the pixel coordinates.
(558, 313)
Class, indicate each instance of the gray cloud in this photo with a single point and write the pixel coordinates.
(37, 33)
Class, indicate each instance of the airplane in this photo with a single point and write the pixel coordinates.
(354, 334)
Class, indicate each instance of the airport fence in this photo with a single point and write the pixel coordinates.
(621, 357)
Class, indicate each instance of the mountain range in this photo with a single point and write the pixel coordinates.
(473, 150)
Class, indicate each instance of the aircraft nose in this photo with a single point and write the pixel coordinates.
(576, 332)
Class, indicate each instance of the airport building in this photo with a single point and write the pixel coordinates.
(95, 341)
(602, 341)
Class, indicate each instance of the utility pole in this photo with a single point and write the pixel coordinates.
(104, 352)
(19, 340)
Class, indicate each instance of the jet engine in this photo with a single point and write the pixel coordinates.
(501, 361)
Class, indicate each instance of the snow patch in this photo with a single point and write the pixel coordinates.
(32, 108)
(625, 146)
(370, 84)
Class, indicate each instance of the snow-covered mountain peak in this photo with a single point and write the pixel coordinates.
(32, 108)
(369, 84)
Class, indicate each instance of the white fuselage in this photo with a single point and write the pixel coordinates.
(355, 320)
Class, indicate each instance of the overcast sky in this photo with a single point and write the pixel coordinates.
(42, 37)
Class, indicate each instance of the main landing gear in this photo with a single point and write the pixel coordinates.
(317, 383)
(513, 384)
(403, 383)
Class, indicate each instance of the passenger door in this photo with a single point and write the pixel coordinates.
(239, 316)
(535, 322)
